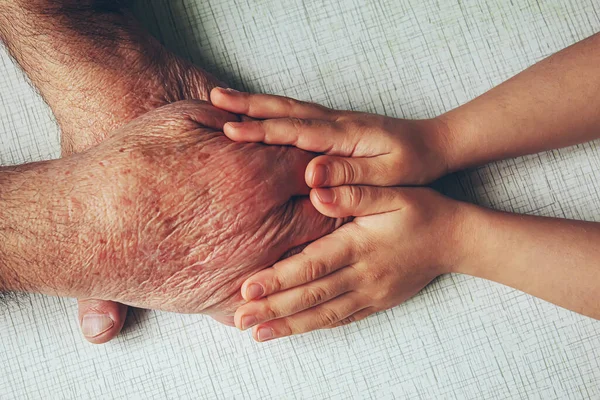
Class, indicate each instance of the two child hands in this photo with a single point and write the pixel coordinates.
(400, 238)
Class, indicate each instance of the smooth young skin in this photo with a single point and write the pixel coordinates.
(553, 104)
(378, 261)
(359, 148)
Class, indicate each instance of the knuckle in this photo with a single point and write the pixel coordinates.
(291, 104)
(313, 270)
(348, 172)
(312, 296)
(381, 294)
(345, 118)
(285, 327)
(266, 311)
(297, 123)
(338, 126)
(261, 124)
(328, 316)
(276, 283)
(348, 320)
(322, 108)
(355, 196)
(361, 245)
(249, 103)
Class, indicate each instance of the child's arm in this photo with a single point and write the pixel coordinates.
(401, 240)
(555, 103)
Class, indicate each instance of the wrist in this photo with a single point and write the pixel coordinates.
(469, 237)
(451, 139)
(437, 141)
(40, 215)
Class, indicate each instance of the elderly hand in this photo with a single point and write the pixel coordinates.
(94, 85)
(167, 214)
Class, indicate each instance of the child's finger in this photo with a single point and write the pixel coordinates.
(318, 259)
(318, 317)
(329, 170)
(358, 201)
(360, 315)
(307, 134)
(267, 106)
(294, 300)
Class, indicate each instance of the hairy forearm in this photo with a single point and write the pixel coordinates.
(40, 215)
(69, 46)
(94, 65)
(554, 259)
(553, 104)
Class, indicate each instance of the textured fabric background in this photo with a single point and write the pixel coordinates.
(461, 337)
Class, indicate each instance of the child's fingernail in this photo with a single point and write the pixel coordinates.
(248, 321)
(326, 196)
(254, 291)
(227, 90)
(234, 125)
(265, 334)
(319, 175)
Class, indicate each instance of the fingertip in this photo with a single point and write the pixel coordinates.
(243, 289)
(232, 130)
(317, 173)
(325, 196)
(222, 97)
(324, 200)
(252, 290)
(237, 318)
(219, 90)
(263, 333)
(101, 321)
(308, 175)
(216, 95)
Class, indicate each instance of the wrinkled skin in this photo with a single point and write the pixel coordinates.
(177, 216)
(96, 84)
(118, 97)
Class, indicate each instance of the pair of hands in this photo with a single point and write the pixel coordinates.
(213, 201)
(176, 185)
(167, 213)
(97, 84)
(360, 149)
(516, 118)
(400, 238)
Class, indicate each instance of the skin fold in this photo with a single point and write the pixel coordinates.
(166, 214)
(98, 69)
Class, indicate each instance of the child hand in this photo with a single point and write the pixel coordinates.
(359, 148)
(401, 239)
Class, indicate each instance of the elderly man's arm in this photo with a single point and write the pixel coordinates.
(95, 65)
(167, 213)
(39, 216)
(97, 68)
